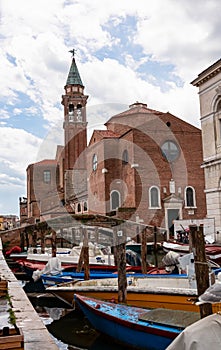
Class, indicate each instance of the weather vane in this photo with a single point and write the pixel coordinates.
(73, 52)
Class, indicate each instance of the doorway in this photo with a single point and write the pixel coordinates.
(172, 214)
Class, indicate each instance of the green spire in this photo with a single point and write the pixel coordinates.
(74, 76)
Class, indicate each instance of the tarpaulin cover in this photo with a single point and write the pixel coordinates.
(205, 334)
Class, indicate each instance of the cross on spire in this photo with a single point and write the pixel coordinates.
(73, 52)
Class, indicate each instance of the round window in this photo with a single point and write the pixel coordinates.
(170, 151)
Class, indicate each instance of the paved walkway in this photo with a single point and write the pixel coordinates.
(36, 335)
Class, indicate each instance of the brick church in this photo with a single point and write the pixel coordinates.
(145, 167)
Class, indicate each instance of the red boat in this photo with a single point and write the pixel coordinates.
(29, 267)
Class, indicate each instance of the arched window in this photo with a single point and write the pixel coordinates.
(218, 108)
(190, 197)
(217, 113)
(154, 197)
(125, 157)
(85, 206)
(79, 112)
(79, 207)
(94, 162)
(71, 112)
(115, 200)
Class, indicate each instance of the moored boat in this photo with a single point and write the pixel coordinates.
(136, 327)
(64, 276)
(213, 252)
(30, 266)
(152, 291)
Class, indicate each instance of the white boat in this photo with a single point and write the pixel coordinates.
(213, 251)
(71, 256)
(151, 291)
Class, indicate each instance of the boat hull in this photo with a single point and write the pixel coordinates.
(149, 292)
(124, 326)
(138, 299)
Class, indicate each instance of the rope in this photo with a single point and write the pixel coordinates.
(201, 262)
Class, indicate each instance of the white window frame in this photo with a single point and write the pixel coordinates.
(159, 199)
(111, 202)
(125, 157)
(194, 197)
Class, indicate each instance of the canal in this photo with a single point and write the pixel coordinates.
(69, 328)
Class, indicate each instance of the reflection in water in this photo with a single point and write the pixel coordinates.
(72, 331)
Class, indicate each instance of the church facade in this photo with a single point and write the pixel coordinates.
(145, 167)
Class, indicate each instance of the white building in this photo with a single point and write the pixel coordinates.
(209, 83)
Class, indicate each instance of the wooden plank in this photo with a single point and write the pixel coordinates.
(11, 338)
(11, 345)
(173, 318)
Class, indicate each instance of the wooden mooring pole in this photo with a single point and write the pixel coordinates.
(144, 251)
(155, 246)
(84, 255)
(121, 264)
(53, 243)
(201, 266)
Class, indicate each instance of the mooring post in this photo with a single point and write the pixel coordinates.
(86, 254)
(42, 230)
(81, 256)
(144, 251)
(155, 246)
(114, 239)
(22, 240)
(27, 240)
(53, 243)
(201, 266)
(121, 263)
(34, 241)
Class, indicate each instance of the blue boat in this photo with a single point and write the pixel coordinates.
(139, 328)
(63, 277)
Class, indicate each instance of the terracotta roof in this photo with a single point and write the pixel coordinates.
(106, 133)
(46, 162)
(136, 108)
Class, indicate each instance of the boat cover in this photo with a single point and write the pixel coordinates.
(53, 267)
(174, 318)
(205, 334)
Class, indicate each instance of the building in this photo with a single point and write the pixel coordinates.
(209, 84)
(145, 167)
(8, 222)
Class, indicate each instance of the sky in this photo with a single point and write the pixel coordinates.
(126, 51)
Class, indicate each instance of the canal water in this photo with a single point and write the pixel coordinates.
(71, 330)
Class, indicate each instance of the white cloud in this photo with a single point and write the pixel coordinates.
(37, 35)
(18, 149)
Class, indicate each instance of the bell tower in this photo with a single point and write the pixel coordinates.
(75, 124)
(75, 137)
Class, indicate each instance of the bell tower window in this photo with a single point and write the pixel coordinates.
(79, 112)
(71, 112)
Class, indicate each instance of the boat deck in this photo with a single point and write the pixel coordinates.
(174, 318)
